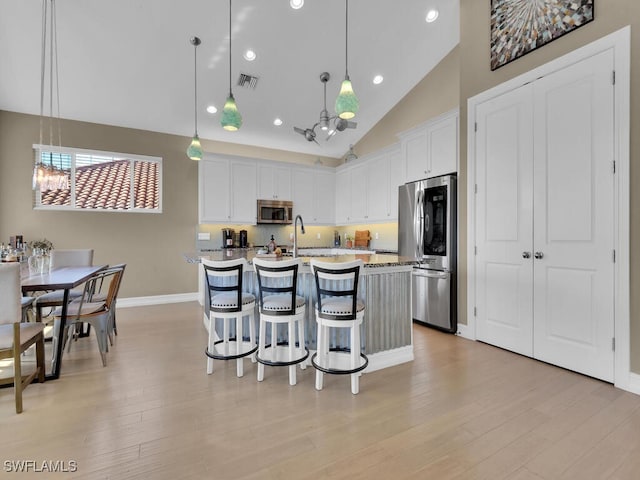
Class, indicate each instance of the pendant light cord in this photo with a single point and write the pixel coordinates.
(230, 92)
(42, 65)
(346, 39)
(54, 61)
(195, 81)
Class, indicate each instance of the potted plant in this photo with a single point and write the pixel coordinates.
(44, 245)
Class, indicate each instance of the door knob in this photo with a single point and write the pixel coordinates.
(526, 254)
(538, 255)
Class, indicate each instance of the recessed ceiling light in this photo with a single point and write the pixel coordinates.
(212, 109)
(249, 55)
(378, 79)
(432, 15)
(296, 4)
(277, 122)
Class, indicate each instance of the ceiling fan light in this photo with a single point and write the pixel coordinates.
(194, 152)
(231, 119)
(347, 103)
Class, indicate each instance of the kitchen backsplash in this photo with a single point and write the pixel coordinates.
(259, 235)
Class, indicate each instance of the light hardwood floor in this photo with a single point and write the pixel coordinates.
(461, 410)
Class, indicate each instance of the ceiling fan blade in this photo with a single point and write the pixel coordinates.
(298, 130)
(351, 124)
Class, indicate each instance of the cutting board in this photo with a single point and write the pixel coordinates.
(362, 238)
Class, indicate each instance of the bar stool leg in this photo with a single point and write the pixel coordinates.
(320, 355)
(239, 361)
(210, 345)
(301, 342)
(261, 348)
(355, 358)
(252, 334)
(292, 351)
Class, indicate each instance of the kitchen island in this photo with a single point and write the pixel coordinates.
(385, 287)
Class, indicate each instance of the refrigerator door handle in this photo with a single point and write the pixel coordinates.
(420, 223)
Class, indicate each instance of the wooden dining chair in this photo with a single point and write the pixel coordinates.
(17, 336)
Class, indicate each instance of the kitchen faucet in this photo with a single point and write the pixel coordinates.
(295, 234)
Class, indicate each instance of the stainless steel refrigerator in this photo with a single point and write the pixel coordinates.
(427, 232)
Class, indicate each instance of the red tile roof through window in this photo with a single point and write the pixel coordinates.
(105, 186)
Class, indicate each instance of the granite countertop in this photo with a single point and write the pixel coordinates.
(371, 260)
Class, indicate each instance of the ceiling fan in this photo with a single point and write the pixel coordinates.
(330, 124)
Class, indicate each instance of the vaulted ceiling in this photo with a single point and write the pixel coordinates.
(130, 62)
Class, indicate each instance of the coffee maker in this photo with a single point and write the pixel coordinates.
(227, 237)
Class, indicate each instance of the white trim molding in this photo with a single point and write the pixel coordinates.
(157, 300)
(633, 385)
(619, 43)
(389, 358)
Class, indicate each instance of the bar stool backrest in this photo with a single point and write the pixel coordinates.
(79, 257)
(277, 277)
(337, 280)
(225, 276)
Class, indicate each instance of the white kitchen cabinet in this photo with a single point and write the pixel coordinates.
(303, 198)
(343, 197)
(243, 192)
(314, 196)
(359, 189)
(324, 198)
(395, 180)
(431, 149)
(369, 188)
(227, 191)
(214, 197)
(274, 182)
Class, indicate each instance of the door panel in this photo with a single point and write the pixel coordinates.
(504, 219)
(573, 217)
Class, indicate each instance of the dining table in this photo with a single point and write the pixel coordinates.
(61, 278)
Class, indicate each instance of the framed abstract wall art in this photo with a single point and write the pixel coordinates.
(520, 26)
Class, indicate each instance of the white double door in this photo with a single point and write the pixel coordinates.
(545, 219)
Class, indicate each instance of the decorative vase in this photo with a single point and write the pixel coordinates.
(39, 262)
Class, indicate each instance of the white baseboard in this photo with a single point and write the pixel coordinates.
(389, 358)
(465, 332)
(634, 383)
(157, 300)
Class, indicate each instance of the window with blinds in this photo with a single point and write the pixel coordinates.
(101, 181)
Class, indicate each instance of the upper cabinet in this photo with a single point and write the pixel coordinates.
(314, 195)
(274, 182)
(431, 149)
(363, 191)
(227, 190)
(367, 191)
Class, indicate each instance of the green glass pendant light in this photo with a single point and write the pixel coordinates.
(347, 103)
(231, 119)
(194, 152)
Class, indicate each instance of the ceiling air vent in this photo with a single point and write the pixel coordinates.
(247, 81)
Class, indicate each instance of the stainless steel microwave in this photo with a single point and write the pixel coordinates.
(275, 211)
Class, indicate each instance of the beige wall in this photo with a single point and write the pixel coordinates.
(150, 244)
(476, 77)
(435, 94)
